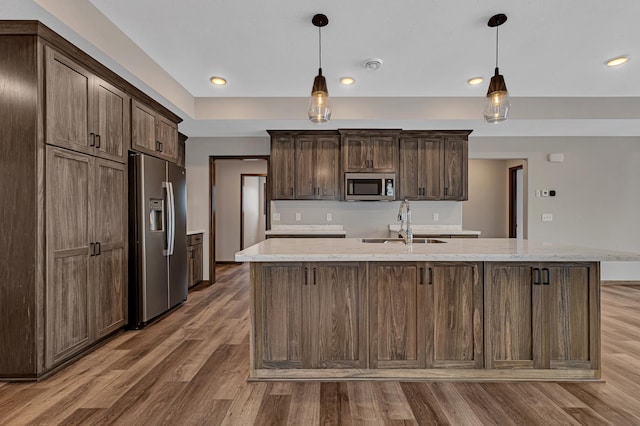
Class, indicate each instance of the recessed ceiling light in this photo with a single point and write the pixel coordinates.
(475, 81)
(347, 81)
(218, 81)
(617, 61)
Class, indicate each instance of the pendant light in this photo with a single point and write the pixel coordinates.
(496, 107)
(319, 105)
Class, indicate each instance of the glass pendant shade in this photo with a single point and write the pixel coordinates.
(319, 104)
(496, 107)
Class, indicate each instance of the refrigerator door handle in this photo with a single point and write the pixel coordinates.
(171, 219)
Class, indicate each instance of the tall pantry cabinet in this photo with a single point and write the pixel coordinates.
(65, 132)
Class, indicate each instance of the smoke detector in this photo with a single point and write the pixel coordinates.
(372, 64)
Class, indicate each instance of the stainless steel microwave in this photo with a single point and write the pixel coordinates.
(369, 186)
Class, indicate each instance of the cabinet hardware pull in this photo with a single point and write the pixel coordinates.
(92, 251)
(546, 277)
(97, 141)
(306, 276)
(446, 191)
(98, 249)
(291, 190)
(536, 276)
(421, 276)
(314, 276)
(161, 147)
(92, 136)
(430, 276)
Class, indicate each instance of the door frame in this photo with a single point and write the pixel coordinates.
(242, 176)
(212, 203)
(513, 185)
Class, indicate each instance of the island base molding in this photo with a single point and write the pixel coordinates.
(467, 375)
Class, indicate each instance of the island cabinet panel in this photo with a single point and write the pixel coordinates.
(337, 323)
(397, 325)
(281, 167)
(454, 315)
(280, 325)
(543, 316)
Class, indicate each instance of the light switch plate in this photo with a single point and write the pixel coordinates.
(298, 216)
(436, 217)
(276, 217)
(329, 217)
(547, 217)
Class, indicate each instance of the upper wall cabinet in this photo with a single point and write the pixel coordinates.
(152, 133)
(434, 165)
(83, 112)
(305, 165)
(370, 150)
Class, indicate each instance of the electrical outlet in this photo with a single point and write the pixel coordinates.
(545, 192)
(275, 217)
(436, 217)
(298, 216)
(547, 217)
(329, 217)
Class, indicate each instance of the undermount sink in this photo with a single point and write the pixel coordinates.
(401, 241)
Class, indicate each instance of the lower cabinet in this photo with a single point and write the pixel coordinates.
(309, 315)
(85, 251)
(425, 315)
(542, 316)
(194, 259)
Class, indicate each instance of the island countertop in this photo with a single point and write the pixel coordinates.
(483, 249)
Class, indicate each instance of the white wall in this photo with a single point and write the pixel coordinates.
(488, 204)
(197, 164)
(598, 199)
(597, 205)
(228, 182)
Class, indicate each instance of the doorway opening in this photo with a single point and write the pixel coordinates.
(253, 209)
(516, 202)
(225, 203)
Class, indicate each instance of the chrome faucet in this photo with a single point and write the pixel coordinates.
(404, 216)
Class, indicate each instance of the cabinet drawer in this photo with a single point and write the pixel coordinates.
(194, 239)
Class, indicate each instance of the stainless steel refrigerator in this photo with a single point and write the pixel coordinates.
(157, 238)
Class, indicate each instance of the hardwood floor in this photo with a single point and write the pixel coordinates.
(191, 368)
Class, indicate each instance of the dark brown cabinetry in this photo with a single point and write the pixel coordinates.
(542, 316)
(310, 315)
(434, 165)
(83, 112)
(372, 150)
(305, 165)
(66, 129)
(426, 315)
(152, 133)
(194, 259)
(182, 150)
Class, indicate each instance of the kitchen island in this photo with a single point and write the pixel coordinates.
(459, 309)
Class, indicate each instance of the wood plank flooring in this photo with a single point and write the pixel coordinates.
(190, 368)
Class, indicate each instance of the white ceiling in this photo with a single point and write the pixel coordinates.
(550, 52)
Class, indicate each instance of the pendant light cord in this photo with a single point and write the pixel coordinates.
(320, 46)
(497, 29)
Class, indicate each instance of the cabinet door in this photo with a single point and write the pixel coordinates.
(455, 169)
(384, 153)
(190, 268)
(571, 314)
(112, 127)
(337, 315)
(67, 94)
(431, 157)
(197, 263)
(454, 315)
(110, 261)
(410, 169)
(356, 153)
(280, 322)
(282, 168)
(68, 198)
(167, 135)
(327, 168)
(512, 304)
(396, 315)
(305, 167)
(143, 128)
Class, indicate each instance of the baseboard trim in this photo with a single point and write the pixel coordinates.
(609, 283)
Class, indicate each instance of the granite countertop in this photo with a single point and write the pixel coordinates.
(455, 249)
(306, 230)
(436, 230)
